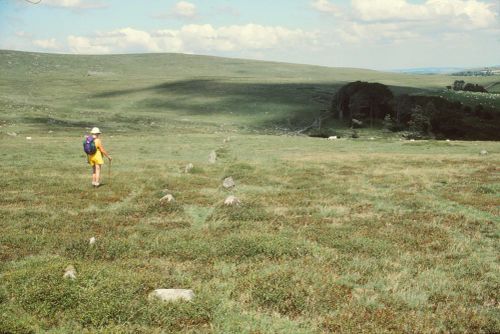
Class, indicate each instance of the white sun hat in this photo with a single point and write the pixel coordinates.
(95, 131)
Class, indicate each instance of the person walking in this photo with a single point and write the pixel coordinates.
(95, 156)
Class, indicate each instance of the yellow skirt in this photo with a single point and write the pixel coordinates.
(96, 158)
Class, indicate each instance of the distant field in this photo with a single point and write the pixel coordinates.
(349, 236)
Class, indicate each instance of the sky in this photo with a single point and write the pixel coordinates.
(375, 34)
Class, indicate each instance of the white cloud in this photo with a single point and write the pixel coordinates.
(86, 45)
(325, 6)
(23, 34)
(375, 33)
(474, 13)
(192, 38)
(47, 44)
(184, 9)
(394, 21)
(74, 4)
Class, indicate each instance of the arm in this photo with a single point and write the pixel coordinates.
(103, 151)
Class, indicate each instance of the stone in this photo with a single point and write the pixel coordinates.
(228, 183)
(12, 134)
(212, 157)
(448, 140)
(372, 138)
(28, 138)
(483, 152)
(92, 241)
(189, 167)
(172, 295)
(168, 198)
(232, 200)
(70, 272)
(412, 139)
(332, 138)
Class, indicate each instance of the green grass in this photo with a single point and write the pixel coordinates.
(347, 236)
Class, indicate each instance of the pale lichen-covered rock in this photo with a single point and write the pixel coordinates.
(212, 157)
(172, 295)
(70, 272)
(92, 241)
(228, 182)
(232, 200)
(189, 167)
(332, 138)
(168, 198)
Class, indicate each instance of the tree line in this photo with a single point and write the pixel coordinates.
(418, 116)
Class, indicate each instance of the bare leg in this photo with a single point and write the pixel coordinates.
(97, 174)
(94, 178)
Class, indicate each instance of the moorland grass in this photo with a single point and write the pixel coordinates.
(346, 236)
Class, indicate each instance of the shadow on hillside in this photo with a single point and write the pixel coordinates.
(57, 122)
(290, 104)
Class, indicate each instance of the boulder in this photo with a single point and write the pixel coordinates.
(168, 198)
(212, 157)
(188, 168)
(232, 200)
(70, 272)
(172, 295)
(228, 183)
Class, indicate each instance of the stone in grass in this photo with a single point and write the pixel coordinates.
(212, 157)
(92, 241)
(12, 134)
(232, 200)
(332, 138)
(483, 152)
(228, 182)
(172, 295)
(168, 198)
(189, 167)
(70, 272)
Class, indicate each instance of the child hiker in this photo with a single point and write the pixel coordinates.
(94, 149)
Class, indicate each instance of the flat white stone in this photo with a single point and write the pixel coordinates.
(92, 241)
(172, 295)
(332, 138)
(28, 138)
(483, 152)
(232, 200)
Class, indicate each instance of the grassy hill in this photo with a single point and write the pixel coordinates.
(349, 236)
(133, 91)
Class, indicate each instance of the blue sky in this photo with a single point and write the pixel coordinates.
(378, 34)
